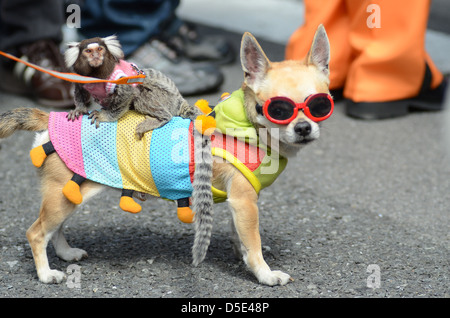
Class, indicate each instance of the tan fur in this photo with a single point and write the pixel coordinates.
(30, 119)
(295, 80)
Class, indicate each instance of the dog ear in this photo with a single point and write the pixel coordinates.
(254, 61)
(319, 54)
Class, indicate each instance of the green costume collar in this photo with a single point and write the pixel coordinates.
(231, 118)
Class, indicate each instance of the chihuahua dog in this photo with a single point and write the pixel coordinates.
(286, 99)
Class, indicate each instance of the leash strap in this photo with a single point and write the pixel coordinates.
(72, 77)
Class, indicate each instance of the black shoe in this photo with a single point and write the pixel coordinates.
(427, 100)
(337, 94)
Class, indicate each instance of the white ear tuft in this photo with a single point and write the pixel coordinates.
(71, 54)
(114, 46)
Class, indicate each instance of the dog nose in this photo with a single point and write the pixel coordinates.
(303, 128)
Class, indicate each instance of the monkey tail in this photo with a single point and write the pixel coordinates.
(31, 119)
(202, 199)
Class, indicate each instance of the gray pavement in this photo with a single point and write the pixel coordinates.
(368, 194)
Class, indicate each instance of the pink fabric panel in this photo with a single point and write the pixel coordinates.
(66, 138)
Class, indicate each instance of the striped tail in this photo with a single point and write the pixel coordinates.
(202, 199)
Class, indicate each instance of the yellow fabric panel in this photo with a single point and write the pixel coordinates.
(219, 152)
(133, 155)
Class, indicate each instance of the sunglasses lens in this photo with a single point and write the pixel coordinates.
(280, 110)
(319, 106)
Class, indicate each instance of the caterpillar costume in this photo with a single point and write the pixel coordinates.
(161, 164)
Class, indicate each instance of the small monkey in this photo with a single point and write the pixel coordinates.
(157, 97)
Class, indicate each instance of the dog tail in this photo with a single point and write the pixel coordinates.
(202, 199)
(31, 119)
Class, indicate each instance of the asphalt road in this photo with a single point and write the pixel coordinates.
(439, 13)
(367, 198)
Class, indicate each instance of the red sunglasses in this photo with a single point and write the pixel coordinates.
(282, 110)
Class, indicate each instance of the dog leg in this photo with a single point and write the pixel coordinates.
(242, 200)
(63, 249)
(55, 209)
(53, 213)
(236, 242)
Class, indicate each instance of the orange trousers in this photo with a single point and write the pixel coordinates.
(377, 52)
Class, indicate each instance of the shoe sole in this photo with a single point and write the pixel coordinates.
(393, 109)
(206, 87)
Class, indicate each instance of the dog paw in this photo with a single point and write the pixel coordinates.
(273, 278)
(72, 254)
(51, 276)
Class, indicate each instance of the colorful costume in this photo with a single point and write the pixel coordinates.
(260, 165)
(162, 162)
(112, 154)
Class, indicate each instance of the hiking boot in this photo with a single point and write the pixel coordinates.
(200, 47)
(190, 77)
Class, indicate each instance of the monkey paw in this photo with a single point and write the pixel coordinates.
(140, 135)
(75, 113)
(147, 125)
(94, 116)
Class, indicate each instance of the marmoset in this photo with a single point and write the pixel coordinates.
(157, 97)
